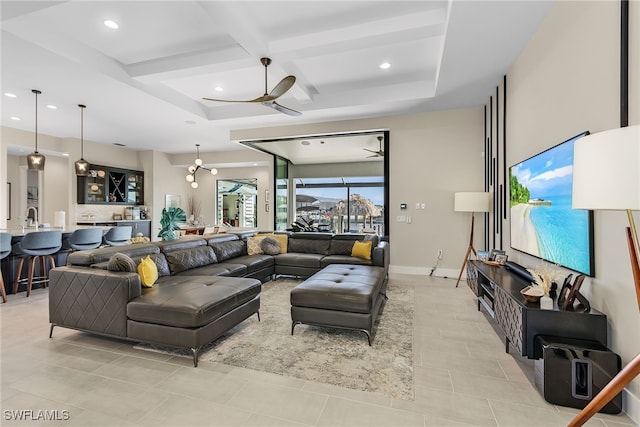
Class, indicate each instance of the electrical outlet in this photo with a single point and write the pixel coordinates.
(439, 253)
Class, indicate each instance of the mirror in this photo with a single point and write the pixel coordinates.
(237, 202)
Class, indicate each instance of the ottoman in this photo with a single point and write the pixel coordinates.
(340, 296)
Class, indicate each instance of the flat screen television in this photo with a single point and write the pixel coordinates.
(543, 224)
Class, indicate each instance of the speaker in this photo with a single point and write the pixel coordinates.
(574, 371)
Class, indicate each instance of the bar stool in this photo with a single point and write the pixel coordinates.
(83, 238)
(5, 250)
(37, 245)
(118, 236)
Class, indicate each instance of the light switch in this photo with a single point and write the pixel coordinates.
(421, 205)
(401, 218)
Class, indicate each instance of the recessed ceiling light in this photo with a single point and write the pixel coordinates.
(385, 65)
(65, 154)
(9, 95)
(53, 107)
(218, 89)
(111, 24)
(190, 122)
(305, 142)
(15, 118)
(119, 144)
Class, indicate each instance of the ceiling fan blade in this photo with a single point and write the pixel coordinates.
(263, 98)
(282, 87)
(283, 109)
(371, 151)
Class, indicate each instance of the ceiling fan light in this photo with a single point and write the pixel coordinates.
(194, 184)
(214, 171)
(190, 178)
(82, 167)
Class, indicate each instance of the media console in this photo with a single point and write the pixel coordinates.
(498, 292)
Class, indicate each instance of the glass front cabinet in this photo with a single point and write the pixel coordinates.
(104, 184)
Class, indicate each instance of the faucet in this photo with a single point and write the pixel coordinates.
(35, 215)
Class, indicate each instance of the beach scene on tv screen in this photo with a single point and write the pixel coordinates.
(543, 223)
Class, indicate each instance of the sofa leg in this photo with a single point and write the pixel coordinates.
(293, 325)
(258, 313)
(195, 352)
(368, 336)
(51, 330)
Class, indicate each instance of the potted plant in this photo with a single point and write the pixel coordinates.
(169, 222)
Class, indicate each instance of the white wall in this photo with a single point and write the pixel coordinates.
(564, 82)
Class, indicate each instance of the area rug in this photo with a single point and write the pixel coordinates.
(326, 355)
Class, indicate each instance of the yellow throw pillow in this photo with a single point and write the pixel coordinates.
(148, 271)
(282, 238)
(253, 244)
(361, 249)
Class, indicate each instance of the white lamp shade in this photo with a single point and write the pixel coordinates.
(606, 170)
(472, 202)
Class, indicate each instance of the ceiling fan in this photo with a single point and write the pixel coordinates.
(380, 152)
(269, 98)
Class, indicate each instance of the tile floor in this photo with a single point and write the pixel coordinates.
(462, 377)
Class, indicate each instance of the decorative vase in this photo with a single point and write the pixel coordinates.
(546, 303)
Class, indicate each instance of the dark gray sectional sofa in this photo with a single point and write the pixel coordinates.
(205, 286)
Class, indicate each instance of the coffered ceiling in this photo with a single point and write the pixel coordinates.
(143, 83)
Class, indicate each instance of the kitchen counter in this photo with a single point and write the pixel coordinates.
(107, 221)
(19, 232)
(137, 225)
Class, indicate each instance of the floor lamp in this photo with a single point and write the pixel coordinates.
(470, 202)
(606, 176)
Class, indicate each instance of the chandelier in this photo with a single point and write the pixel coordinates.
(193, 169)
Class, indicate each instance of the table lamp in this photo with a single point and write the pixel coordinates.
(606, 176)
(471, 202)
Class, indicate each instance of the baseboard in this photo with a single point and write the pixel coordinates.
(446, 273)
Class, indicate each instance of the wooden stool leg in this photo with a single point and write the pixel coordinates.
(32, 267)
(52, 262)
(43, 267)
(2, 290)
(17, 281)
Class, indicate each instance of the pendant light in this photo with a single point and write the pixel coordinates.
(36, 160)
(198, 165)
(82, 166)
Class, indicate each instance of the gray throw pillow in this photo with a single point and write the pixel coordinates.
(270, 246)
(121, 262)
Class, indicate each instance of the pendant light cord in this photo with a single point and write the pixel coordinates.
(82, 107)
(36, 92)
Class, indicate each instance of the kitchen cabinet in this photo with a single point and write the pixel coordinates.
(109, 185)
